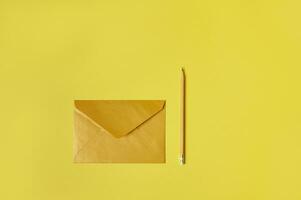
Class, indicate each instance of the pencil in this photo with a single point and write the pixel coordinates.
(182, 113)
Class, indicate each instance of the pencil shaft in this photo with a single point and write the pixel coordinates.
(182, 110)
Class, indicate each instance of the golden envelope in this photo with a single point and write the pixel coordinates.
(119, 131)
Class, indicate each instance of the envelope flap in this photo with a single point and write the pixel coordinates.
(119, 117)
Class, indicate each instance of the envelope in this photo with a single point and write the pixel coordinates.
(119, 131)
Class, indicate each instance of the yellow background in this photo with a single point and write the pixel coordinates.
(243, 109)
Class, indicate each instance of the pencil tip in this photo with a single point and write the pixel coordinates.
(181, 160)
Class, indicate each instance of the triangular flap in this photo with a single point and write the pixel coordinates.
(119, 117)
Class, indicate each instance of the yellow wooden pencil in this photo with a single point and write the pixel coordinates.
(182, 113)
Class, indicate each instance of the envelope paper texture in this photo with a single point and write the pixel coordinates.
(119, 131)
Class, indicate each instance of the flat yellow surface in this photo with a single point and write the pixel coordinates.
(242, 60)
